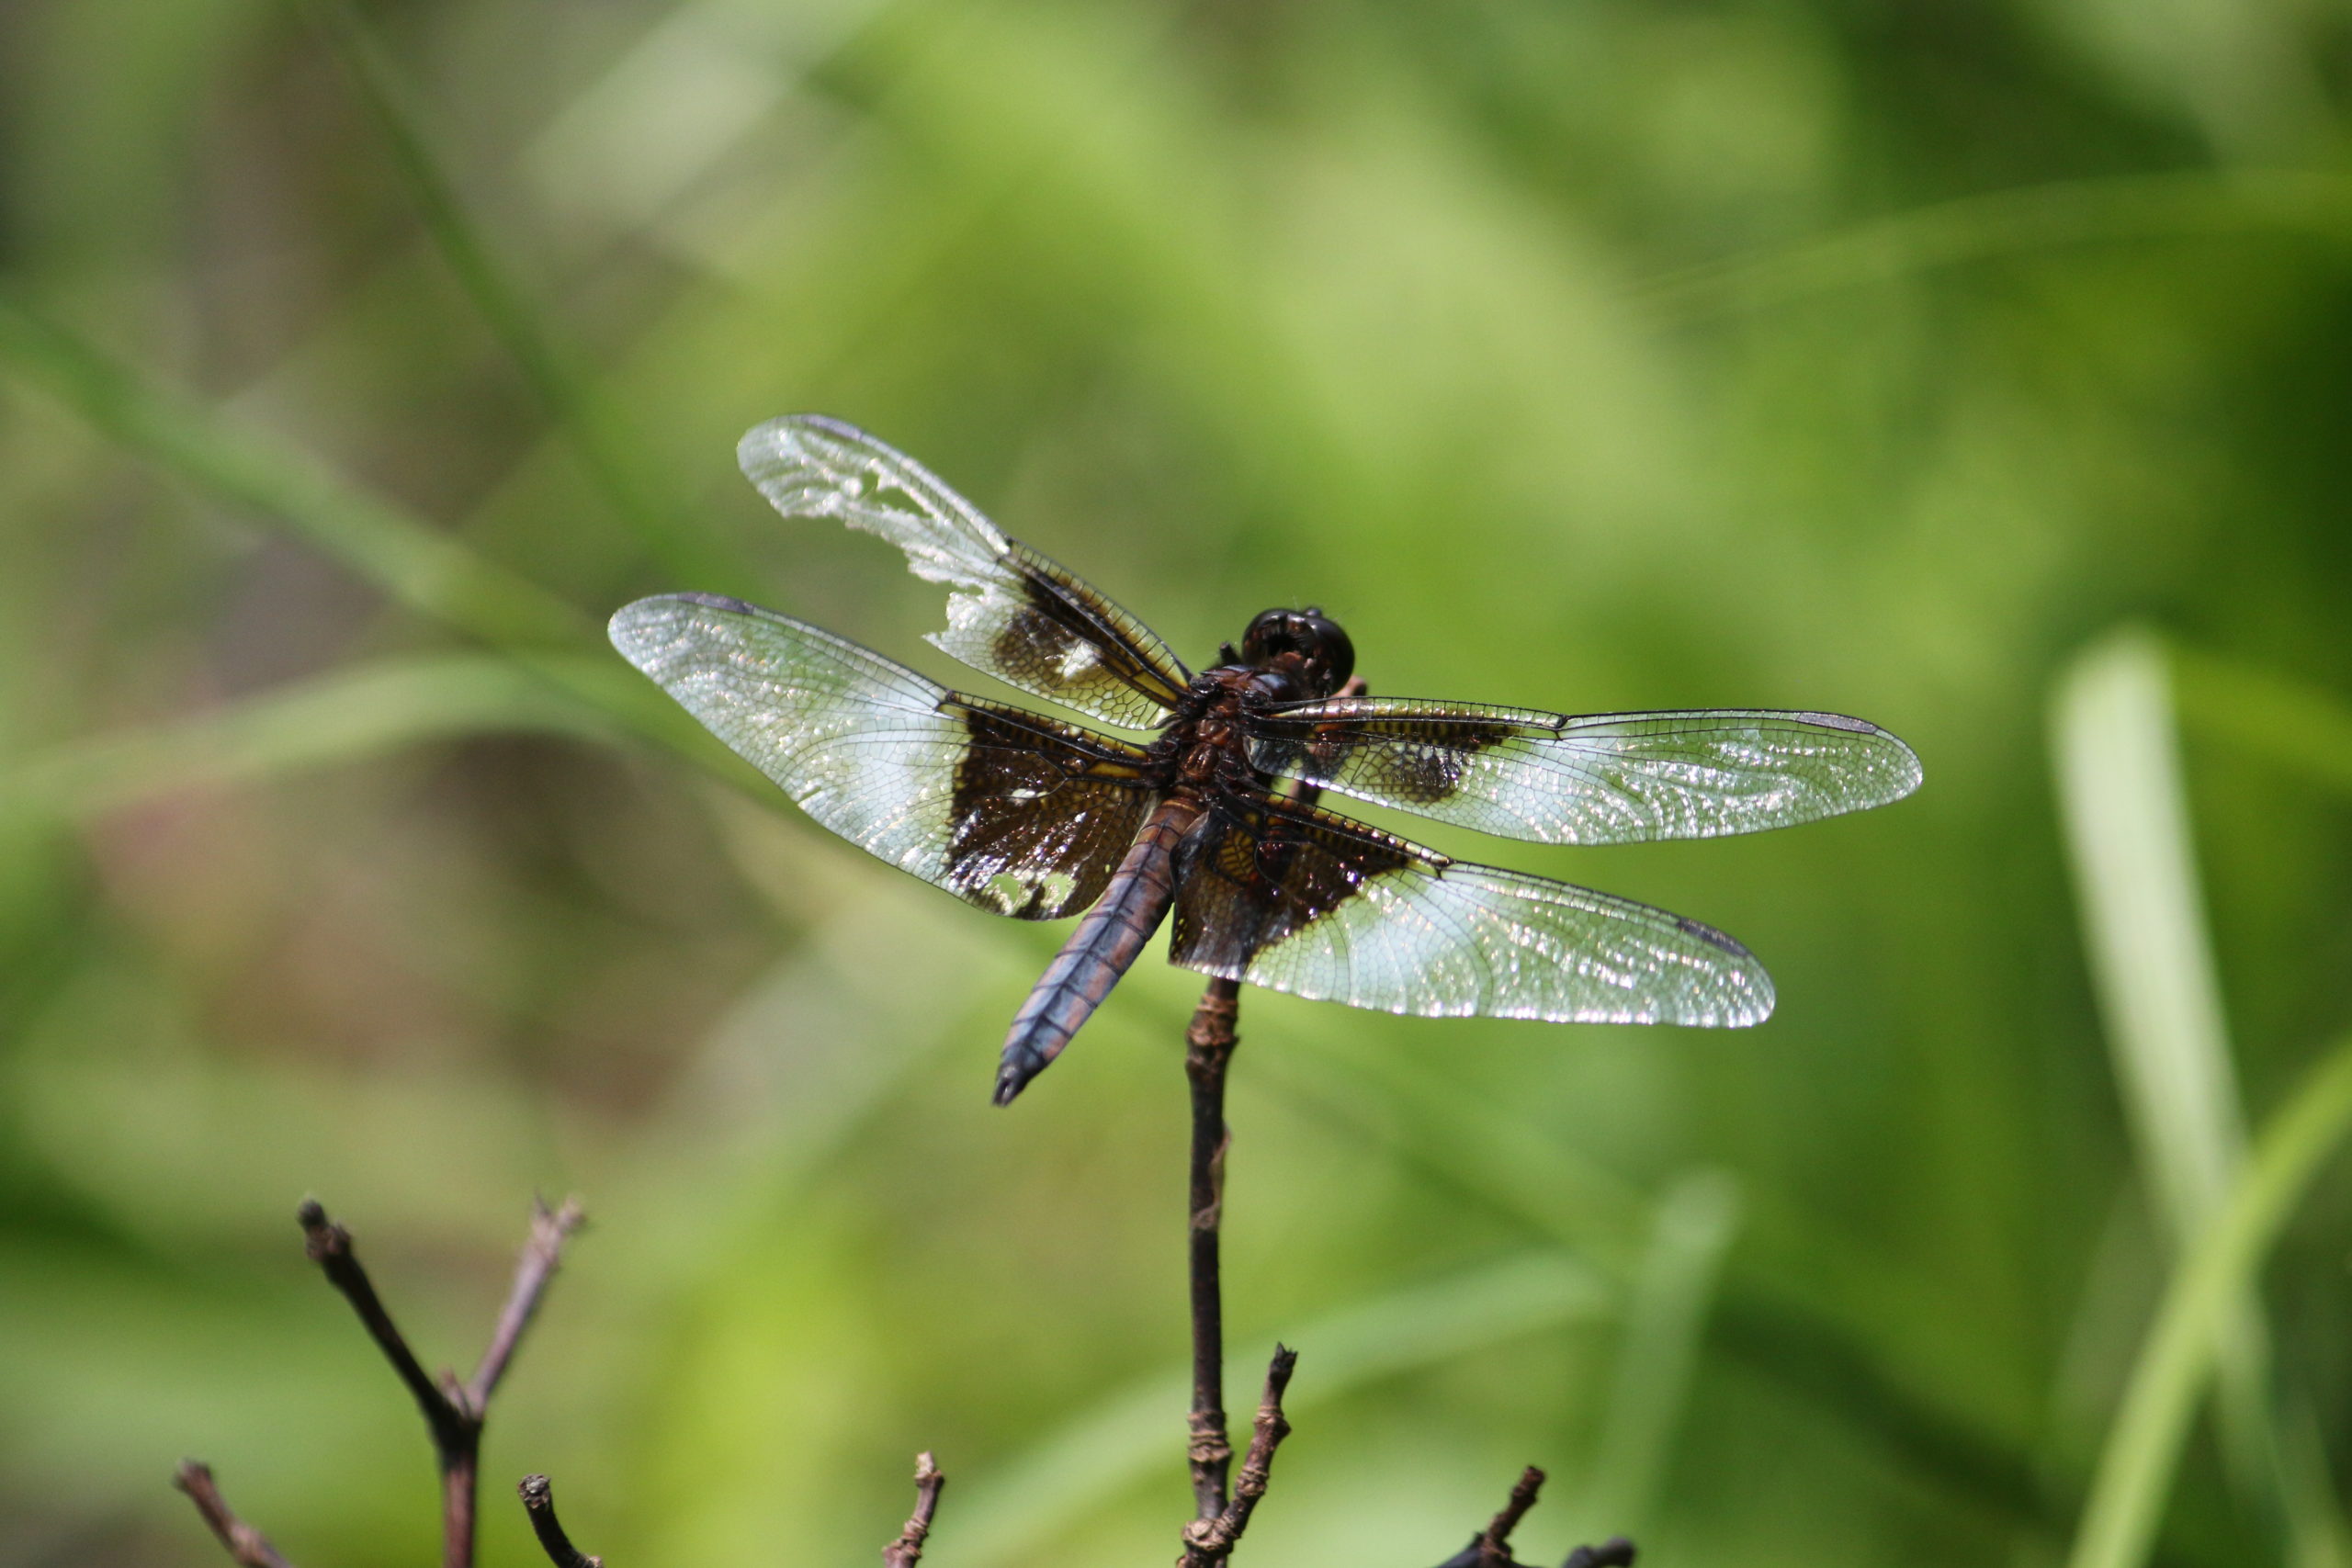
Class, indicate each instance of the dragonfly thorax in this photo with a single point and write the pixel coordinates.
(1205, 740)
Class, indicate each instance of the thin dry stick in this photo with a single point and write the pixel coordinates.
(1208, 1542)
(1209, 1042)
(907, 1550)
(534, 1270)
(539, 1501)
(245, 1543)
(329, 1247)
(1494, 1546)
(454, 1411)
(1490, 1547)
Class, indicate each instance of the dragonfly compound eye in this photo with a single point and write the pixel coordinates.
(1328, 655)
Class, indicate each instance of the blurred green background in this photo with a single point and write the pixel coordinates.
(1877, 355)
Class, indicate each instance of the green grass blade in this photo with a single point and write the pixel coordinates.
(350, 713)
(589, 424)
(2135, 877)
(2116, 751)
(2143, 913)
(412, 564)
(2009, 223)
(1665, 1327)
(2144, 1446)
(1139, 1431)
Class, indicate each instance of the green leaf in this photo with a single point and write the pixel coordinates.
(414, 565)
(350, 713)
(2060, 215)
(2144, 1446)
(2127, 827)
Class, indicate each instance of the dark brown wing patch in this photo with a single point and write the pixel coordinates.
(1297, 899)
(1011, 612)
(1013, 811)
(1040, 812)
(1062, 638)
(1254, 872)
(1406, 761)
(1595, 779)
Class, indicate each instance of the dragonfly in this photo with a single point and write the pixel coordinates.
(1211, 815)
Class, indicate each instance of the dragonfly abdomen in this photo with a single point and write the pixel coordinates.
(1103, 947)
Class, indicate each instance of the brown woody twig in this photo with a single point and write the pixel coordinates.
(1208, 1542)
(454, 1411)
(1494, 1546)
(245, 1543)
(1209, 1042)
(907, 1550)
(539, 1501)
(1490, 1547)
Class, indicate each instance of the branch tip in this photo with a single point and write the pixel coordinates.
(539, 1502)
(454, 1409)
(321, 1238)
(1494, 1545)
(1490, 1546)
(1209, 1541)
(245, 1545)
(907, 1550)
(559, 1223)
(542, 1254)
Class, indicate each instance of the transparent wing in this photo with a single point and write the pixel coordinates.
(1600, 779)
(1008, 810)
(1297, 899)
(1013, 613)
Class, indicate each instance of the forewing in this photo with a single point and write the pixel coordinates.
(1598, 779)
(1008, 810)
(1013, 613)
(1300, 901)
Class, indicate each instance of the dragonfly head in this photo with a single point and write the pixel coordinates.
(1321, 654)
